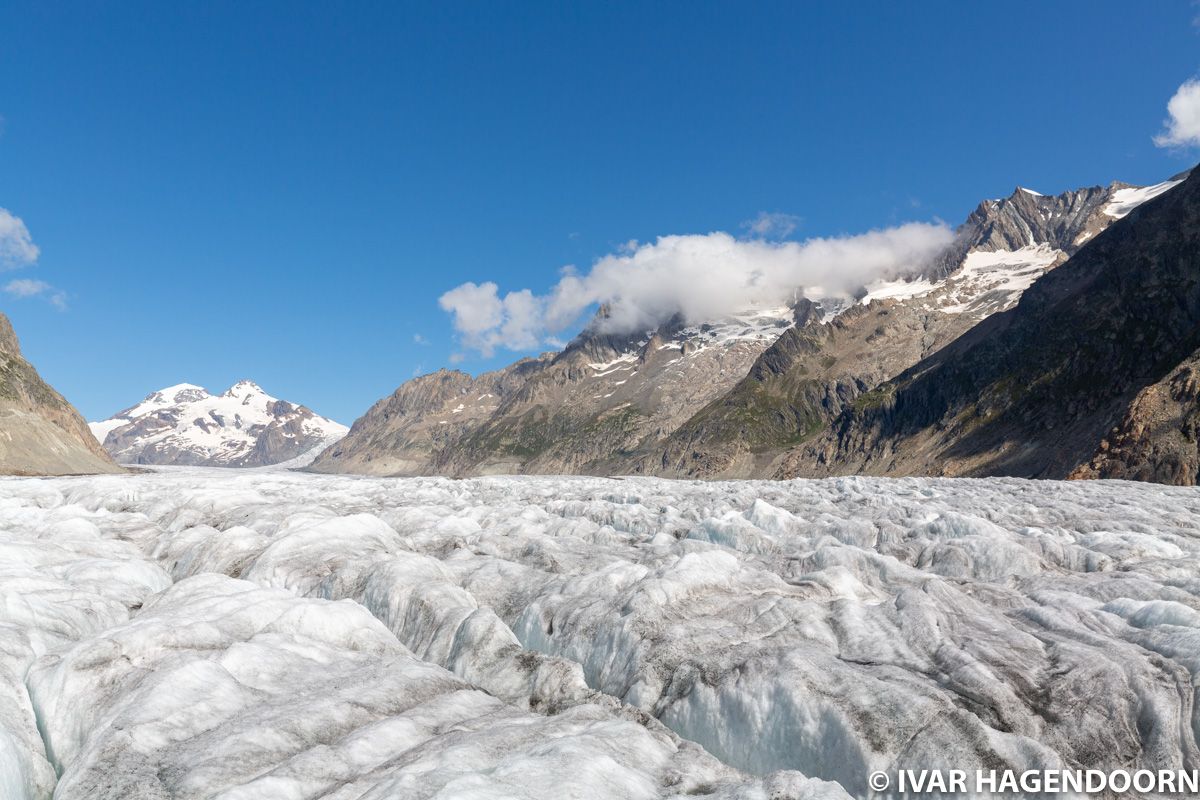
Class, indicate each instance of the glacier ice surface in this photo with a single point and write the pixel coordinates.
(207, 633)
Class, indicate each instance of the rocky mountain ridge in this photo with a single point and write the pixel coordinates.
(729, 398)
(1088, 375)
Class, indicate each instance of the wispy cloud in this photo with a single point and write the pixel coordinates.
(772, 225)
(699, 277)
(28, 287)
(419, 339)
(16, 245)
(1182, 126)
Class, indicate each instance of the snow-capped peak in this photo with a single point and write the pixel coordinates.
(163, 398)
(1007, 246)
(186, 424)
(245, 390)
(171, 391)
(179, 393)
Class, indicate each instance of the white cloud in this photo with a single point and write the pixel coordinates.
(419, 339)
(476, 309)
(16, 245)
(28, 287)
(772, 225)
(486, 321)
(1183, 124)
(698, 277)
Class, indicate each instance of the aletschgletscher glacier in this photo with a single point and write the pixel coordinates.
(196, 633)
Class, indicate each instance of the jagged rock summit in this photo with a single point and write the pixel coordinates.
(1089, 375)
(40, 432)
(241, 427)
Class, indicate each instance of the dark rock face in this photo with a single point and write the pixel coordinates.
(1158, 439)
(40, 432)
(1034, 391)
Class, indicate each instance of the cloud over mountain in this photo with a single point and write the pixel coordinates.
(699, 277)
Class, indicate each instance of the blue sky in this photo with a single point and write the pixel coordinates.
(283, 191)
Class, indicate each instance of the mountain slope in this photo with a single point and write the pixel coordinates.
(40, 432)
(818, 369)
(607, 395)
(795, 388)
(730, 397)
(243, 427)
(403, 433)
(1035, 390)
(576, 411)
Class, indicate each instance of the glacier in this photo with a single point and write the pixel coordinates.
(268, 634)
